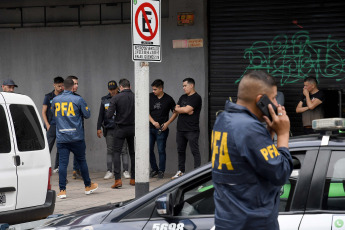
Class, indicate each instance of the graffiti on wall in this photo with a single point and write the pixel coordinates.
(291, 60)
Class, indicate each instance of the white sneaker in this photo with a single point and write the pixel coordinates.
(56, 170)
(178, 174)
(108, 175)
(62, 194)
(90, 189)
(126, 175)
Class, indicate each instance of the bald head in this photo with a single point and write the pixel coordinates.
(254, 83)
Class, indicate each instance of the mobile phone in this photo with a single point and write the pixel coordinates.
(263, 106)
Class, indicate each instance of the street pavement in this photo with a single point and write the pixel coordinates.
(77, 200)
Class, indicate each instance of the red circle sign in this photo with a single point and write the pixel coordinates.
(153, 33)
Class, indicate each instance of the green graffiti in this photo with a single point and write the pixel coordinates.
(294, 59)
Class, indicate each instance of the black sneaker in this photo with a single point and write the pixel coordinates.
(160, 174)
(153, 173)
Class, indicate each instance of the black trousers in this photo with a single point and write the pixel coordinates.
(182, 138)
(122, 133)
(51, 137)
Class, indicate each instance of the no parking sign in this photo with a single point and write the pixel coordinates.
(146, 31)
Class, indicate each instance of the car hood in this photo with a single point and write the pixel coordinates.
(94, 215)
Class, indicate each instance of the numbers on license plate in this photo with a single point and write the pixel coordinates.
(167, 226)
(2, 199)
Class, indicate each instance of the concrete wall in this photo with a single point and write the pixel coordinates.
(97, 54)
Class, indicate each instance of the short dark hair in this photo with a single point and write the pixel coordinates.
(158, 83)
(72, 77)
(68, 83)
(124, 83)
(311, 80)
(263, 76)
(189, 80)
(253, 83)
(58, 80)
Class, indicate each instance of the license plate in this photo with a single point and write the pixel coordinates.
(2, 199)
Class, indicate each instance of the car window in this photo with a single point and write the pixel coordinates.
(287, 190)
(27, 128)
(334, 194)
(5, 144)
(197, 200)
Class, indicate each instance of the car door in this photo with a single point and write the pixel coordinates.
(326, 202)
(295, 192)
(194, 207)
(32, 152)
(8, 174)
(194, 204)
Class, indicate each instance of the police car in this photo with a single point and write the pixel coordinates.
(313, 198)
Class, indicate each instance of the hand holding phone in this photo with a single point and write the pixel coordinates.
(263, 106)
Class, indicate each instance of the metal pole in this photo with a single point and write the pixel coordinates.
(142, 147)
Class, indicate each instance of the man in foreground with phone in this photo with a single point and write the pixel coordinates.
(248, 169)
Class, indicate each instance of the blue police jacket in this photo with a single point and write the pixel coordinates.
(69, 110)
(248, 171)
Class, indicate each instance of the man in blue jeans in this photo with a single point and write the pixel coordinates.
(76, 169)
(69, 111)
(160, 106)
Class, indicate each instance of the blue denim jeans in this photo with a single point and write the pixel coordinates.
(161, 144)
(78, 149)
(75, 164)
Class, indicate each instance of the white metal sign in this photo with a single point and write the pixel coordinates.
(146, 30)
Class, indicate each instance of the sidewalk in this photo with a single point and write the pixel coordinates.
(77, 200)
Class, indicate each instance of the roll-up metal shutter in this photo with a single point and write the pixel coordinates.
(290, 39)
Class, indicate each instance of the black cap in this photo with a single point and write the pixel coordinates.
(9, 82)
(112, 84)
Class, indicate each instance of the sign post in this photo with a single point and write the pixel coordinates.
(146, 31)
(146, 47)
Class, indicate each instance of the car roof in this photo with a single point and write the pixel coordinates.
(15, 98)
(317, 140)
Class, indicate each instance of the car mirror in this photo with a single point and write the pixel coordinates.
(164, 205)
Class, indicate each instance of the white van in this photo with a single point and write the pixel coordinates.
(25, 168)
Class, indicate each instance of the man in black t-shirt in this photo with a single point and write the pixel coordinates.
(311, 104)
(160, 105)
(49, 118)
(188, 107)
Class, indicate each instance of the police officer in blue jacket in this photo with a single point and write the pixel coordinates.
(69, 110)
(248, 169)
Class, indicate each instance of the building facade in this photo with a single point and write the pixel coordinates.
(91, 39)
